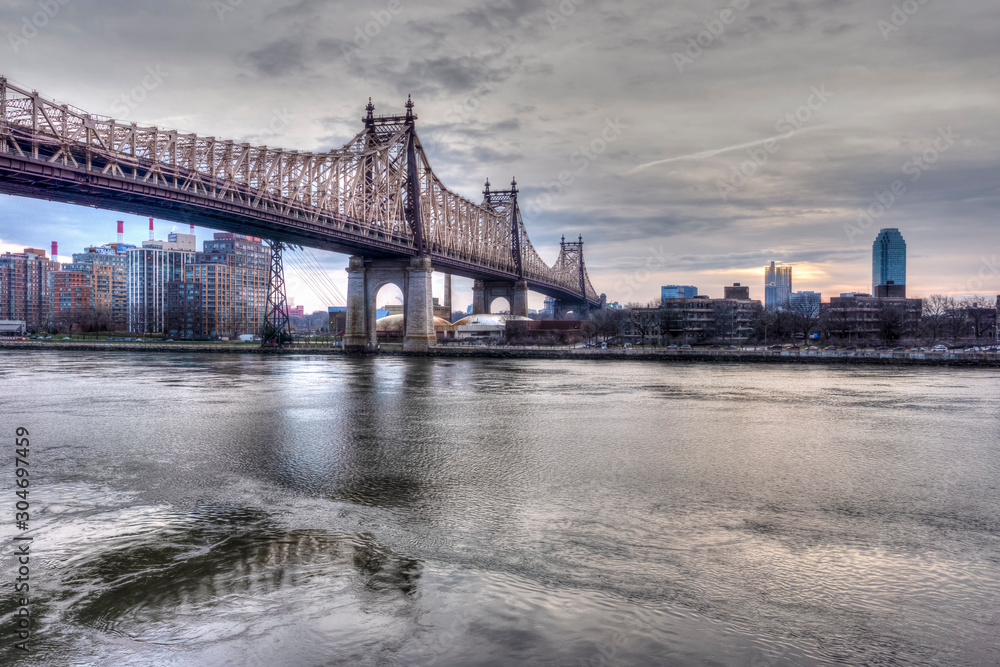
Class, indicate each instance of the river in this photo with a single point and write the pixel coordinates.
(201, 509)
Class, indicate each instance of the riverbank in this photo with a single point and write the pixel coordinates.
(977, 359)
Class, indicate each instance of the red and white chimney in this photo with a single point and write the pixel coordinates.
(55, 250)
(150, 229)
(121, 231)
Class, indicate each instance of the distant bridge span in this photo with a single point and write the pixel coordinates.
(376, 197)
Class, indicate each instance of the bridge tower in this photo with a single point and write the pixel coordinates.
(413, 276)
(484, 292)
(571, 255)
(276, 327)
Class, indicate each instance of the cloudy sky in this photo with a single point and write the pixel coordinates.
(695, 141)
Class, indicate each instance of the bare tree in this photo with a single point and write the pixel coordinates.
(725, 320)
(955, 324)
(805, 316)
(642, 319)
(934, 309)
(891, 321)
(610, 323)
(981, 316)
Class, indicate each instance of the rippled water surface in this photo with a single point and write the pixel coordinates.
(240, 510)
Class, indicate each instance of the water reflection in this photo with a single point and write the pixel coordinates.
(416, 511)
(165, 578)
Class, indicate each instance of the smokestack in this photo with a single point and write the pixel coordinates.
(150, 229)
(192, 230)
(55, 250)
(121, 231)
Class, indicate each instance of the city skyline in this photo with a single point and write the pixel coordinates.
(300, 293)
(523, 90)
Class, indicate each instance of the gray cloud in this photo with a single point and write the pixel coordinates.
(516, 88)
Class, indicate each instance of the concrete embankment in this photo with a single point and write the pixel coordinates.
(972, 359)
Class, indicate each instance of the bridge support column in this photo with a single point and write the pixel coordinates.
(357, 326)
(419, 305)
(365, 278)
(519, 298)
(484, 292)
(479, 305)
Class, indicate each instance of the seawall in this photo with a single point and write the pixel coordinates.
(967, 359)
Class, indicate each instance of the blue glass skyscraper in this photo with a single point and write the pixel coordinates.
(777, 286)
(889, 261)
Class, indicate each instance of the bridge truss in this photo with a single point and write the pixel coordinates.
(376, 195)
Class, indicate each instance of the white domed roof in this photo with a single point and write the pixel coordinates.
(395, 323)
(489, 320)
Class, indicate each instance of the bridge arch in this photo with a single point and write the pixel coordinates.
(499, 304)
(391, 328)
(366, 278)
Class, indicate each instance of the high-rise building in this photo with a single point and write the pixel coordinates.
(805, 303)
(233, 270)
(737, 291)
(889, 264)
(72, 299)
(777, 286)
(24, 287)
(150, 268)
(108, 274)
(678, 292)
(185, 310)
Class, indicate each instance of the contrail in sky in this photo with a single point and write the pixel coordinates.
(716, 151)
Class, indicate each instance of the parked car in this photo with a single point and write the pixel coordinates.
(917, 349)
(685, 347)
(715, 347)
(812, 347)
(850, 348)
(939, 348)
(899, 348)
(732, 347)
(881, 348)
(671, 347)
(831, 347)
(775, 347)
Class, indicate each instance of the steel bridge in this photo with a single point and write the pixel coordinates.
(376, 198)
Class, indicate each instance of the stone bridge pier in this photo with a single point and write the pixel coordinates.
(365, 277)
(485, 291)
